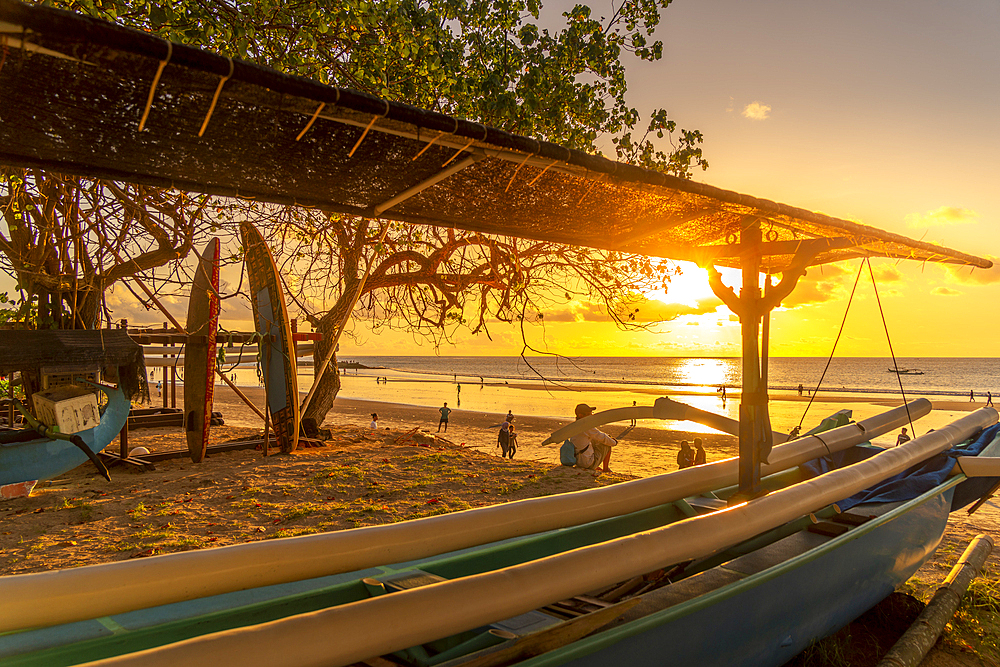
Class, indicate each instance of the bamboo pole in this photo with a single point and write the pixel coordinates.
(347, 633)
(110, 588)
(915, 643)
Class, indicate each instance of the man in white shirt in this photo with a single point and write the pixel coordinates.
(593, 446)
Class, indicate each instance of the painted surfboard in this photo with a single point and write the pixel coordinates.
(277, 355)
(199, 353)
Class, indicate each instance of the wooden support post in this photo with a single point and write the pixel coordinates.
(123, 441)
(173, 379)
(753, 400)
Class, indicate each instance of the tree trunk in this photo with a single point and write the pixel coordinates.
(329, 385)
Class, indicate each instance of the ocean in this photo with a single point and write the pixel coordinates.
(498, 384)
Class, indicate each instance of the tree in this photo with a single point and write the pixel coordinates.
(431, 281)
(69, 239)
(487, 60)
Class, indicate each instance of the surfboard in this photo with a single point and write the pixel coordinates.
(277, 356)
(199, 352)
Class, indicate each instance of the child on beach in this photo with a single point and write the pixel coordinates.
(445, 411)
(685, 457)
(902, 438)
(512, 442)
(374, 425)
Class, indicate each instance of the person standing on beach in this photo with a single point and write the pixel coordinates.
(972, 396)
(699, 453)
(902, 438)
(445, 411)
(593, 446)
(503, 438)
(989, 398)
(510, 416)
(633, 418)
(685, 457)
(800, 389)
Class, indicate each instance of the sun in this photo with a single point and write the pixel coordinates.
(688, 288)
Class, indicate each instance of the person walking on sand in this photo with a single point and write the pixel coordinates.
(902, 438)
(989, 398)
(374, 425)
(445, 411)
(593, 446)
(800, 389)
(510, 416)
(685, 457)
(512, 443)
(972, 396)
(503, 438)
(700, 458)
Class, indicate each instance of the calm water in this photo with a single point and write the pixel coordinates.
(941, 376)
(509, 383)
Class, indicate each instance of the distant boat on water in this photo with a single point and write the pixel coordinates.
(906, 371)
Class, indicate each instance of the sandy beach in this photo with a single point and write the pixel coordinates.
(402, 471)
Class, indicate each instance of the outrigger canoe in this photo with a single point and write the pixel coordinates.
(767, 576)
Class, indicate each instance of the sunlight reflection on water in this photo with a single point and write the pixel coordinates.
(547, 400)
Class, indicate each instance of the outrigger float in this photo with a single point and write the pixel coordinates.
(66, 359)
(738, 562)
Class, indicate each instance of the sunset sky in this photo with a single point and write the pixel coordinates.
(880, 112)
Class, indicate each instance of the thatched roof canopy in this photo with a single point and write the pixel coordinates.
(75, 91)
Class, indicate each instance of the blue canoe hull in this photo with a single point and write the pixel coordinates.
(43, 458)
(768, 616)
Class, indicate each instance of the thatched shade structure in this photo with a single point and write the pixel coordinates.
(85, 97)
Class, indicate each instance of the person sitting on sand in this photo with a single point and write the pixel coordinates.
(593, 446)
(685, 457)
(374, 425)
(445, 411)
(902, 438)
(700, 458)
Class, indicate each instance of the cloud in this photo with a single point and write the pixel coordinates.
(829, 282)
(648, 311)
(658, 311)
(945, 291)
(946, 216)
(887, 274)
(972, 276)
(756, 111)
(577, 311)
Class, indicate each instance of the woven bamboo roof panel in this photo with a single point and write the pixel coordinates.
(75, 91)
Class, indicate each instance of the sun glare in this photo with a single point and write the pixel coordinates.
(688, 288)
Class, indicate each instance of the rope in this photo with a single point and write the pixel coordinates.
(893, 354)
(842, 323)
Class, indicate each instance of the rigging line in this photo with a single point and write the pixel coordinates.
(837, 340)
(889, 341)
